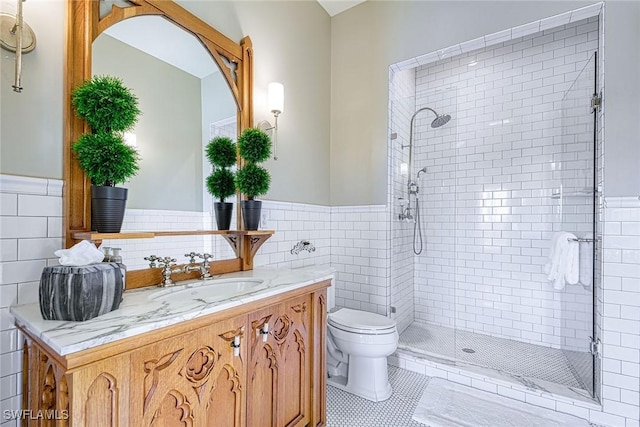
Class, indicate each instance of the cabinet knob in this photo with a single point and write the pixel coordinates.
(235, 344)
(264, 331)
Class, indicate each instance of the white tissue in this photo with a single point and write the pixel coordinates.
(83, 253)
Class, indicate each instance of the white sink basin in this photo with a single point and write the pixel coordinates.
(210, 290)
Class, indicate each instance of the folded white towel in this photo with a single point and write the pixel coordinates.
(563, 266)
(586, 262)
(83, 253)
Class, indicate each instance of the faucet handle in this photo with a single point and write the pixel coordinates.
(192, 257)
(206, 257)
(152, 260)
(167, 260)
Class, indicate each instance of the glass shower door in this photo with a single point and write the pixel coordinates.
(576, 212)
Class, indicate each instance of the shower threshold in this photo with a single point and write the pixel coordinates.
(443, 352)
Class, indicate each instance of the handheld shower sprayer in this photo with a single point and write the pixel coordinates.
(412, 186)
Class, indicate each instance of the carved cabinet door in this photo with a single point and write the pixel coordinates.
(192, 380)
(279, 371)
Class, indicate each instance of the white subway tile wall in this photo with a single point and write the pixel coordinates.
(402, 105)
(621, 310)
(30, 231)
(488, 211)
(361, 256)
(293, 223)
(134, 250)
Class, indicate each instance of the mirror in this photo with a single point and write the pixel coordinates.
(180, 173)
(184, 100)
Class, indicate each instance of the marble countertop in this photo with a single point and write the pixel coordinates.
(145, 309)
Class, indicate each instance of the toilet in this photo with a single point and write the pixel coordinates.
(358, 343)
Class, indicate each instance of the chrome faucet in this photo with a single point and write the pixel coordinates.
(167, 264)
(303, 245)
(203, 267)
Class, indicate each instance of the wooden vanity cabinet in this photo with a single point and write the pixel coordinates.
(193, 378)
(279, 381)
(190, 380)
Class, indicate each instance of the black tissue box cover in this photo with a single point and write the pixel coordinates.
(80, 293)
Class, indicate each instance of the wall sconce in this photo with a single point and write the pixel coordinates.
(16, 36)
(130, 139)
(275, 102)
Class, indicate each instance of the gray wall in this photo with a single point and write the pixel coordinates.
(31, 122)
(169, 130)
(291, 45)
(338, 65)
(622, 98)
(367, 39)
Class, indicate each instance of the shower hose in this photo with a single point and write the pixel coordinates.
(417, 231)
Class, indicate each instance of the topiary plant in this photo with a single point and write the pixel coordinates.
(106, 104)
(221, 152)
(109, 108)
(254, 145)
(105, 158)
(221, 184)
(253, 180)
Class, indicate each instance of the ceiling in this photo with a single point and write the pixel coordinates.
(191, 56)
(334, 7)
(166, 41)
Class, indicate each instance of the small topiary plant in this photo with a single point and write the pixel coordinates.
(221, 152)
(254, 146)
(109, 108)
(106, 104)
(105, 158)
(253, 180)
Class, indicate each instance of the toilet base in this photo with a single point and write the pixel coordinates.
(367, 378)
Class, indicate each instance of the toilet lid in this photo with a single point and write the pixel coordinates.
(346, 318)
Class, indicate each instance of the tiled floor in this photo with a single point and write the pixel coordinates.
(347, 410)
(514, 357)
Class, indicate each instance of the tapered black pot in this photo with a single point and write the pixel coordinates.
(251, 214)
(107, 208)
(223, 213)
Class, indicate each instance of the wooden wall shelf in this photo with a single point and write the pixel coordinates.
(98, 237)
(245, 244)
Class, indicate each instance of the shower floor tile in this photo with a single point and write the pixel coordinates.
(513, 357)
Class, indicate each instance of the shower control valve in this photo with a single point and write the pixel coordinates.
(413, 188)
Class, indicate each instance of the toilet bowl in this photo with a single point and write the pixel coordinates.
(358, 343)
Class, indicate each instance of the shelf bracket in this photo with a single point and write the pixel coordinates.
(250, 245)
(234, 242)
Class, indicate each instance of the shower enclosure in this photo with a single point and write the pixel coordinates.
(515, 164)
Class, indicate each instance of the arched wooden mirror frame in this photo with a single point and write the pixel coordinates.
(84, 25)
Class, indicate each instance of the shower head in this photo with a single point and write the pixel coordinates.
(423, 170)
(440, 121)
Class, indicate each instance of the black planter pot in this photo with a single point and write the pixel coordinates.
(107, 208)
(223, 213)
(251, 214)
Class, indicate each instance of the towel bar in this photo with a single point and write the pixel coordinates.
(580, 240)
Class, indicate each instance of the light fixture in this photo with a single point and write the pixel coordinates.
(275, 102)
(16, 36)
(130, 139)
